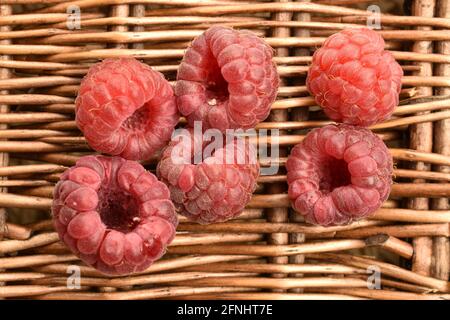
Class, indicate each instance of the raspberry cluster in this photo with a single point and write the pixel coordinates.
(113, 214)
(125, 108)
(227, 79)
(354, 79)
(215, 189)
(118, 218)
(339, 173)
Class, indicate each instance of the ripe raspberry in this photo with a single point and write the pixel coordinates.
(353, 79)
(125, 108)
(339, 173)
(215, 189)
(227, 79)
(113, 214)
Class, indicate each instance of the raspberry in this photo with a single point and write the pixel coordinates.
(339, 173)
(227, 79)
(354, 79)
(125, 108)
(216, 189)
(113, 214)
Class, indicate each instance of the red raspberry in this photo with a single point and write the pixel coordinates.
(227, 79)
(339, 173)
(125, 108)
(113, 214)
(354, 79)
(214, 190)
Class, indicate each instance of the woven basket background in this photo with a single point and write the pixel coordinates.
(268, 252)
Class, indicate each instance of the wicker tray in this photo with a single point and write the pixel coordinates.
(268, 252)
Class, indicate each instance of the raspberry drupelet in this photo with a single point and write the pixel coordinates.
(113, 214)
(338, 174)
(227, 79)
(125, 108)
(354, 79)
(217, 187)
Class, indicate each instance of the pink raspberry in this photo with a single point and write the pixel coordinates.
(339, 173)
(215, 189)
(227, 79)
(354, 79)
(125, 108)
(113, 214)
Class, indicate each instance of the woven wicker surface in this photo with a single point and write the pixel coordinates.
(268, 252)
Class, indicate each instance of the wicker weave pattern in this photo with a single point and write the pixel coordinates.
(268, 252)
